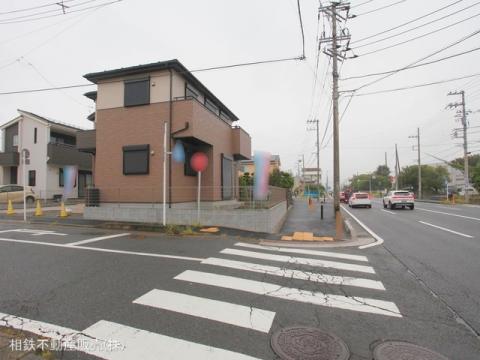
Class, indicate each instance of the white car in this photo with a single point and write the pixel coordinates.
(399, 198)
(360, 199)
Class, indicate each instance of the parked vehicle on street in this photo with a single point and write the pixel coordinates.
(342, 197)
(470, 190)
(15, 193)
(399, 198)
(360, 199)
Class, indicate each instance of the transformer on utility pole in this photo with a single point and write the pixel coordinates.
(463, 117)
(337, 11)
(419, 163)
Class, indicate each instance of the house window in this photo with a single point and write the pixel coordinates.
(136, 159)
(137, 92)
(211, 106)
(31, 177)
(35, 135)
(15, 140)
(190, 149)
(61, 182)
(191, 92)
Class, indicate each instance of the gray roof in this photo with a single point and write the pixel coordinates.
(161, 65)
(49, 120)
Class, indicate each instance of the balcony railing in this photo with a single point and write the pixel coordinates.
(9, 158)
(63, 154)
(86, 141)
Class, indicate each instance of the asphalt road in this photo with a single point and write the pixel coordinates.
(440, 244)
(170, 297)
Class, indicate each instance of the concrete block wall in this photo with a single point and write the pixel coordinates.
(257, 220)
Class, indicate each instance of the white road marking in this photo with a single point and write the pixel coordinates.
(299, 260)
(146, 345)
(277, 291)
(37, 327)
(87, 241)
(390, 212)
(445, 213)
(296, 274)
(304, 251)
(113, 251)
(233, 314)
(133, 343)
(34, 232)
(449, 208)
(378, 239)
(445, 229)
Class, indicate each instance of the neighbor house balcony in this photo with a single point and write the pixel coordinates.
(9, 158)
(86, 141)
(241, 144)
(63, 154)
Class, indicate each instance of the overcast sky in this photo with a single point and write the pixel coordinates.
(273, 101)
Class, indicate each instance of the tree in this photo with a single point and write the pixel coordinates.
(281, 179)
(433, 178)
(382, 170)
(476, 176)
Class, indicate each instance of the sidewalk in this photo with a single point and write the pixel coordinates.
(305, 218)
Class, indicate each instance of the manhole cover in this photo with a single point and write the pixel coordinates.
(305, 343)
(400, 350)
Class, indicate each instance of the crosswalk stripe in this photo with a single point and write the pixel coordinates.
(298, 260)
(238, 315)
(360, 304)
(146, 345)
(296, 274)
(304, 251)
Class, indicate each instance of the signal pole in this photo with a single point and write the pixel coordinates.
(463, 117)
(333, 11)
(419, 163)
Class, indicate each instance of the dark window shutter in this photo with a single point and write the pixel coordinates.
(137, 92)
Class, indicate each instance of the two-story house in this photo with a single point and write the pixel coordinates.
(133, 107)
(51, 145)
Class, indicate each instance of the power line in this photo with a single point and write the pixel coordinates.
(416, 86)
(365, 2)
(33, 7)
(381, 8)
(70, 12)
(414, 66)
(421, 59)
(46, 12)
(419, 36)
(191, 71)
(408, 22)
(419, 26)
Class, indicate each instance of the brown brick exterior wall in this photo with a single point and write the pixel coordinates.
(138, 125)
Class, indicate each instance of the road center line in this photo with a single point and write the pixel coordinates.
(445, 229)
(445, 213)
(96, 239)
(113, 251)
(390, 212)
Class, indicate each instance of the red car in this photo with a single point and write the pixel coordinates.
(342, 197)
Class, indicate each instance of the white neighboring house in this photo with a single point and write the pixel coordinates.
(456, 179)
(52, 146)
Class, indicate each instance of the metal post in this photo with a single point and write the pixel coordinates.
(318, 161)
(465, 148)
(419, 166)
(165, 154)
(396, 167)
(24, 157)
(198, 196)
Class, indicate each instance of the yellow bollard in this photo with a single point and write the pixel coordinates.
(38, 209)
(63, 212)
(10, 210)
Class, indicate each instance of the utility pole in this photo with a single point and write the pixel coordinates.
(419, 162)
(397, 167)
(315, 122)
(334, 11)
(463, 116)
(386, 164)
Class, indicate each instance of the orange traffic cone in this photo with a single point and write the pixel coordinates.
(38, 209)
(10, 210)
(63, 211)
